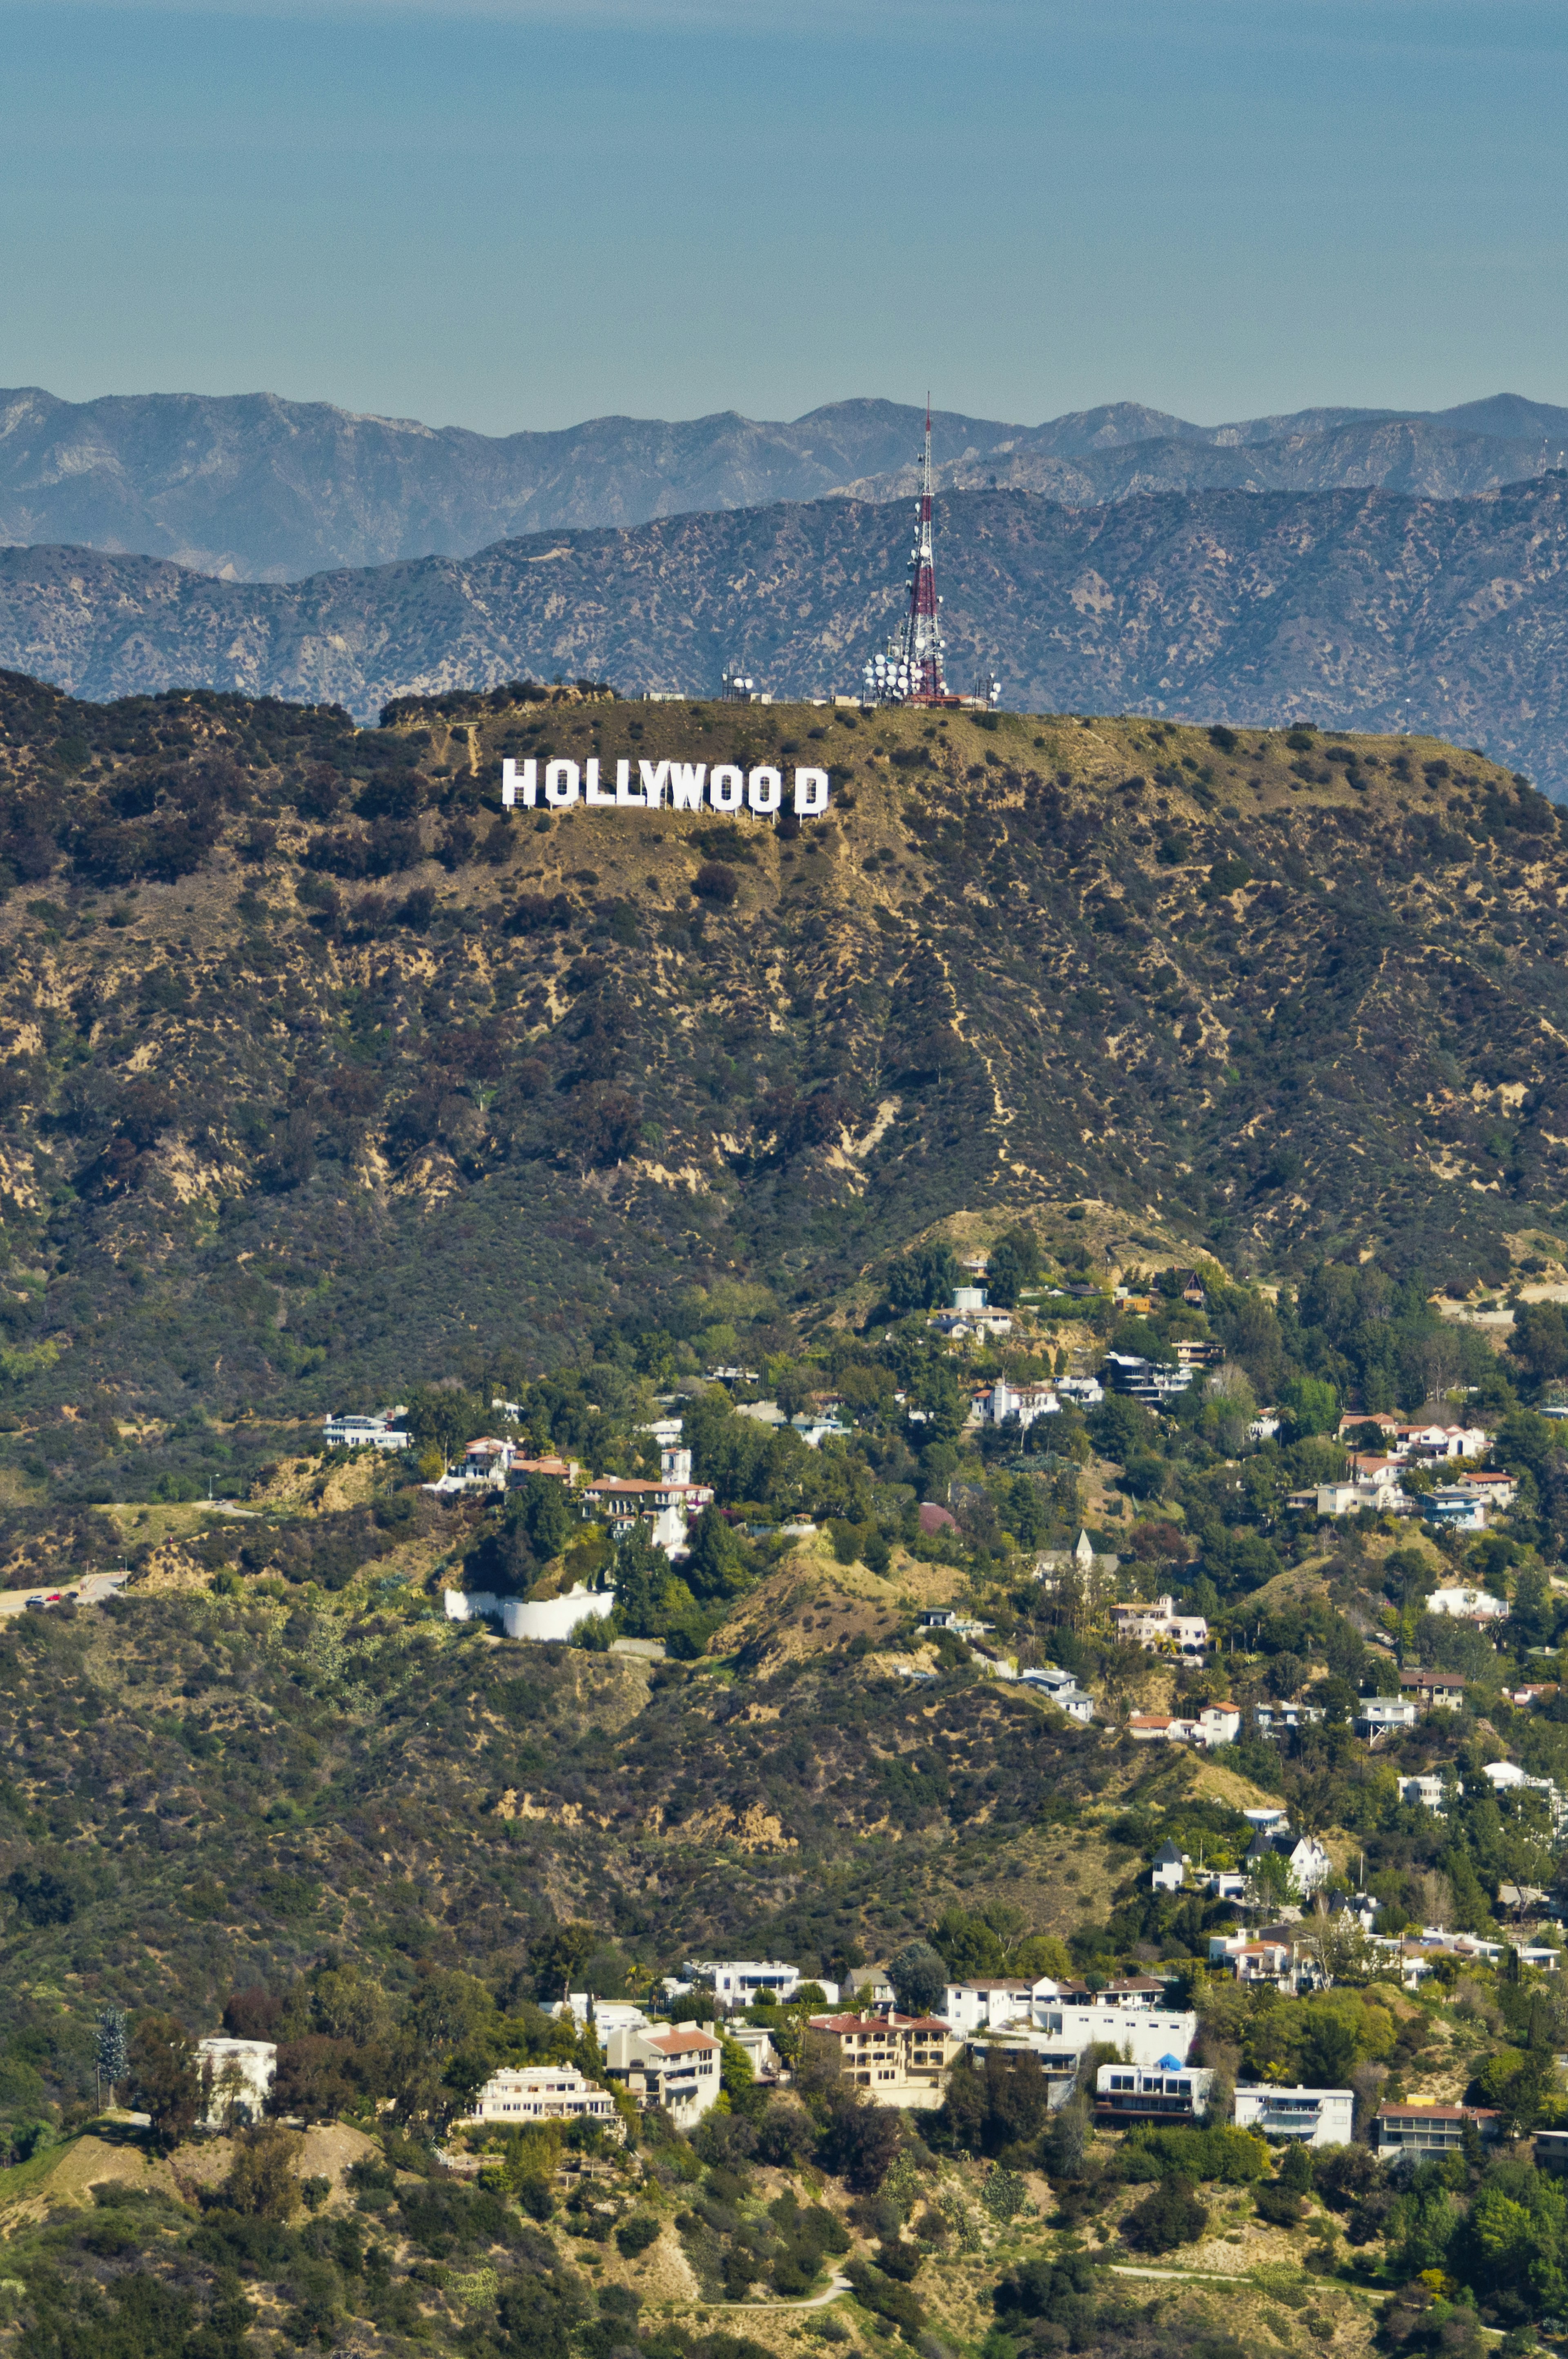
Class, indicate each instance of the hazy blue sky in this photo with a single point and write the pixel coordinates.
(519, 215)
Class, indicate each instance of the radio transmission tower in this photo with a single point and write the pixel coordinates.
(909, 671)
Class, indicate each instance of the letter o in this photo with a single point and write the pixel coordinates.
(562, 781)
(726, 786)
(765, 790)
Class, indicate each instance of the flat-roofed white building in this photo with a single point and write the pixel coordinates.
(1313, 2116)
(242, 2073)
(741, 1982)
(1166, 2091)
(542, 2093)
(339, 1433)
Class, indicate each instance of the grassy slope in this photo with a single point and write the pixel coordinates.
(371, 1158)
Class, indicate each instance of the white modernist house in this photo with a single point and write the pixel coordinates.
(1468, 1605)
(1377, 1715)
(340, 1432)
(1314, 2117)
(741, 1982)
(677, 2066)
(1507, 1777)
(606, 2014)
(1166, 2092)
(542, 2093)
(1062, 1689)
(242, 2074)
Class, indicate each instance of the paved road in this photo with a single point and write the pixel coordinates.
(91, 1590)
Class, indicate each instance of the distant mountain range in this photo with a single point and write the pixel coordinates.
(1219, 605)
(254, 488)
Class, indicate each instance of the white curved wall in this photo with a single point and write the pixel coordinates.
(548, 1618)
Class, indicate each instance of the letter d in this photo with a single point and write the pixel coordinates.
(810, 793)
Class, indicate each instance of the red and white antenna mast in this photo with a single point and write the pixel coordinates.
(909, 671)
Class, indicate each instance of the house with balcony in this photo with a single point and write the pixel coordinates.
(1435, 1691)
(677, 2066)
(1383, 1716)
(897, 2059)
(1311, 2117)
(1168, 2094)
(542, 2093)
(1277, 1719)
(1425, 2131)
(1158, 1628)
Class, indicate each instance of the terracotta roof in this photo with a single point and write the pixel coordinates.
(680, 2043)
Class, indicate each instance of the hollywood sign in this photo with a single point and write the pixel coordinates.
(689, 786)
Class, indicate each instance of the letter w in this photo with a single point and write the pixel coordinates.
(685, 784)
(654, 775)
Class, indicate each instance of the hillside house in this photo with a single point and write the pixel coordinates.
(1141, 2034)
(1152, 1382)
(1026, 1402)
(1158, 1628)
(1498, 1491)
(1312, 2116)
(1466, 1604)
(556, 1469)
(1169, 2094)
(1217, 1723)
(1062, 1689)
(989, 2003)
(619, 1499)
(542, 2093)
(1430, 1443)
(1507, 1777)
(1435, 1691)
(897, 2059)
(1453, 1508)
(1429, 1791)
(1426, 2130)
(741, 1981)
(341, 1432)
(1273, 1720)
(936, 1618)
(1169, 1872)
(1272, 1960)
(486, 1460)
(677, 2066)
(1377, 1715)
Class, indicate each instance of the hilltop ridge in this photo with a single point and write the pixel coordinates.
(305, 1040)
(255, 487)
